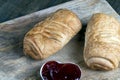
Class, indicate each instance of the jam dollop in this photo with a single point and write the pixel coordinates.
(53, 70)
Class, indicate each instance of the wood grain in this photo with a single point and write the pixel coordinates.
(15, 66)
(10, 9)
(115, 5)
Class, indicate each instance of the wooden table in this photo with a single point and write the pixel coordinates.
(14, 65)
(10, 9)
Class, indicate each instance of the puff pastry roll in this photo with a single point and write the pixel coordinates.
(50, 35)
(102, 42)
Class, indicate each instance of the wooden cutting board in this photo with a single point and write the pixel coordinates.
(14, 65)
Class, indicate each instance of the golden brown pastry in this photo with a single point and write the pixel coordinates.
(102, 42)
(50, 35)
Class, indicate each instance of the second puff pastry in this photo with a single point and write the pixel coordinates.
(50, 35)
(102, 42)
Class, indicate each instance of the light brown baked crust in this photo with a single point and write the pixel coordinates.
(50, 35)
(102, 42)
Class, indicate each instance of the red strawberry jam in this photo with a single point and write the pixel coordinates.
(53, 70)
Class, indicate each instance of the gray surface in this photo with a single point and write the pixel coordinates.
(15, 66)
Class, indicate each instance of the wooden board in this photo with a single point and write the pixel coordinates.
(14, 65)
